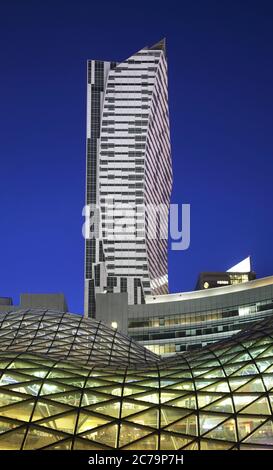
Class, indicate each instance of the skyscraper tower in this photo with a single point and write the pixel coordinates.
(129, 164)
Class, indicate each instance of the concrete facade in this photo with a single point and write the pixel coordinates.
(35, 301)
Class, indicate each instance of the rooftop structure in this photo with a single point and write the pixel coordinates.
(120, 396)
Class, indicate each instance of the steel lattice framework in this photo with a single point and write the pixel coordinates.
(67, 336)
(69, 383)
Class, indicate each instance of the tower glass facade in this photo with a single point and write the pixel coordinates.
(129, 176)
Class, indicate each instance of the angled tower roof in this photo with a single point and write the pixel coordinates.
(243, 267)
(161, 46)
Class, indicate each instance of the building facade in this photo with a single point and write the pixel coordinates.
(173, 323)
(241, 272)
(210, 280)
(49, 301)
(128, 170)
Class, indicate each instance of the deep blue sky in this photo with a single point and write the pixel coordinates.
(220, 57)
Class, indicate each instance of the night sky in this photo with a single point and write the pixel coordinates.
(220, 56)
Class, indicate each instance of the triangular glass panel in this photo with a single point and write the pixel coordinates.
(150, 383)
(113, 390)
(209, 421)
(231, 369)
(218, 387)
(248, 369)
(227, 359)
(214, 445)
(185, 426)
(12, 440)
(264, 364)
(263, 435)
(45, 409)
(204, 398)
(262, 342)
(13, 378)
(203, 383)
(65, 423)
(64, 445)
(81, 372)
(259, 407)
(37, 438)
(171, 442)
(148, 397)
(255, 385)
(89, 421)
(225, 431)
(242, 357)
(9, 399)
(147, 418)
(114, 378)
(131, 407)
(21, 411)
(199, 372)
(214, 374)
(183, 386)
(235, 383)
(106, 435)
(188, 401)
(6, 425)
(31, 389)
(49, 388)
(147, 443)
(171, 414)
(167, 396)
(224, 405)
(91, 398)
(268, 381)
(130, 433)
(55, 374)
(21, 365)
(257, 350)
(271, 399)
(184, 374)
(255, 447)
(242, 400)
(192, 446)
(39, 373)
(131, 378)
(72, 398)
(247, 424)
(3, 364)
(108, 408)
(81, 444)
(78, 383)
(132, 390)
(92, 383)
(167, 383)
(267, 353)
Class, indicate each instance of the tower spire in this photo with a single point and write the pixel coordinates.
(160, 45)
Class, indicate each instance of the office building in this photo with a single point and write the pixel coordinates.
(28, 301)
(179, 322)
(129, 169)
(241, 272)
